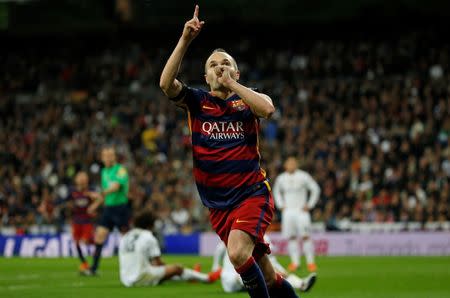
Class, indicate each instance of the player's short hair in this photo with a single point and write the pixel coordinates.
(80, 173)
(108, 147)
(144, 220)
(220, 50)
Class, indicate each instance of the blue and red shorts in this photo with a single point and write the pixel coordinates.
(253, 216)
(84, 232)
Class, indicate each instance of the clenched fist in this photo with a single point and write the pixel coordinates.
(225, 75)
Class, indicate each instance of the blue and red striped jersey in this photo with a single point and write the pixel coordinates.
(225, 150)
(81, 202)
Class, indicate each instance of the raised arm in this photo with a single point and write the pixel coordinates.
(168, 82)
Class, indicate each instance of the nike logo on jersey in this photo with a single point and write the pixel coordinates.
(207, 108)
(240, 220)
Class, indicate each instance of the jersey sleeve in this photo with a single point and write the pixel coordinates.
(277, 193)
(314, 189)
(152, 249)
(190, 98)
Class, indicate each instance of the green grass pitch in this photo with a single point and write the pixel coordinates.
(338, 277)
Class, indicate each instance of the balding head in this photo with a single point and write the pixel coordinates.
(218, 58)
(218, 55)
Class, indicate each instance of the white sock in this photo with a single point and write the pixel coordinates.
(218, 256)
(295, 281)
(294, 251)
(276, 265)
(189, 274)
(308, 249)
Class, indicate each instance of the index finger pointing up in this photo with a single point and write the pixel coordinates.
(196, 11)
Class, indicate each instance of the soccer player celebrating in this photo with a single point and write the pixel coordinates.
(224, 127)
(82, 222)
(140, 258)
(116, 212)
(291, 196)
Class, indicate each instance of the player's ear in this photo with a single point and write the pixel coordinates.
(206, 79)
(238, 75)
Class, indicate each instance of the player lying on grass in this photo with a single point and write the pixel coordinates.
(140, 258)
(232, 282)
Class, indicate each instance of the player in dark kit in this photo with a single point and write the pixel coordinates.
(224, 126)
(82, 222)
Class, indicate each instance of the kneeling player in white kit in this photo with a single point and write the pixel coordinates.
(140, 258)
(290, 192)
(232, 282)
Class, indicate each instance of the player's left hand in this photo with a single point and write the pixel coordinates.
(225, 75)
(93, 195)
(306, 208)
(92, 209)
(192, 27)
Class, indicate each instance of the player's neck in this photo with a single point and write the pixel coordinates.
(222, 94)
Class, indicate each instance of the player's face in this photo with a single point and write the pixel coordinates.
(81, 181)
(290, 165)
(219, 59)
(108, 157)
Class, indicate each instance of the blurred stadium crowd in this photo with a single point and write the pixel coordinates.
(369, 119)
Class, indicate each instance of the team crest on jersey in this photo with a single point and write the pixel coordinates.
(122, 172)
(238, 105)
(82, 202)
